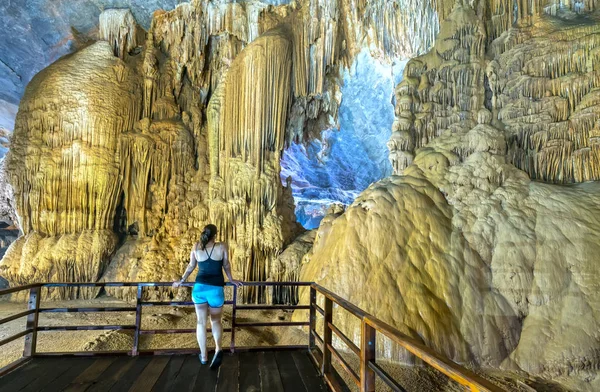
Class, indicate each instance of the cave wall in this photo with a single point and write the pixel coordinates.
(125, 149)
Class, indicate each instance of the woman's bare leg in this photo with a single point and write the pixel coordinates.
(202, 315)
(217, 327)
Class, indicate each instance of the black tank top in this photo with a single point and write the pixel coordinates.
(210, 271)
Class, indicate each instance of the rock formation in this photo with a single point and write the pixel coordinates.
(287, 268)
(124, 150)
(7, 201)
(63, 166)
(8, 235)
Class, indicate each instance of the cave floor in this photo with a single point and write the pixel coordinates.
(246, 371)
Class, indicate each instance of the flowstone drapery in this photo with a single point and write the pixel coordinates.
(64, 169)
(538, 82)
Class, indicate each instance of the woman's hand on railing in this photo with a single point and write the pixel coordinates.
(177, 283)
(236, 283)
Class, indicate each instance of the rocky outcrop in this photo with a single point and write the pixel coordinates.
(8, 235)
(287, 267)
(8, 213)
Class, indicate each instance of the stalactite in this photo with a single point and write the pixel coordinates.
(551, 105)
(245, 137)
(446, 85)
(272, 76)
(119, 28)
(542, 85)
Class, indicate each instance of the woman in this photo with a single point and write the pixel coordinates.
(208, 296)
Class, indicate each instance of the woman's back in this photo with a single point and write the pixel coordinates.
(216, 252)
(210, 264)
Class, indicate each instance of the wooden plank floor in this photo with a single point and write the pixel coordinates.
(247, 372)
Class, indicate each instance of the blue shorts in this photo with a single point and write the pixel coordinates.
(204, 293)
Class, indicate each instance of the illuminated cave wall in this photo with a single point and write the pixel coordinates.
(343, 162)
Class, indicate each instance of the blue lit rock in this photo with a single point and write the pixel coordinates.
(344, 162)
(8, 112)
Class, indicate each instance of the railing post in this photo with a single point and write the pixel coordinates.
(367, 354)
(233, 316)
(326, 365)
(138, 321)
(32, 321)
(312, 318)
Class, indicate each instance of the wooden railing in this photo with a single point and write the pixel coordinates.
(321, 348)
(34, 309)
(323, 351)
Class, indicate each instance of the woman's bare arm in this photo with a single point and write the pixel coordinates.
(227, 267)
(189, 269)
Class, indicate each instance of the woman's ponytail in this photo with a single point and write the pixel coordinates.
(209, 232)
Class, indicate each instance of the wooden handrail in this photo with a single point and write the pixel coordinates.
(144, 284)
(15, 336)
(345, 339)
(450, 368)
(174, 331)
(15, 289)
(32, 329)
(16, 316)
(273, 307)
(87, 310)
(84, 327)
(345, 365)
(366, 353)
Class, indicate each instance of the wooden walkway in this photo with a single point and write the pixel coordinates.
(246, 371)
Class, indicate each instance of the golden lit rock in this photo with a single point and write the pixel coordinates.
(64, 166)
